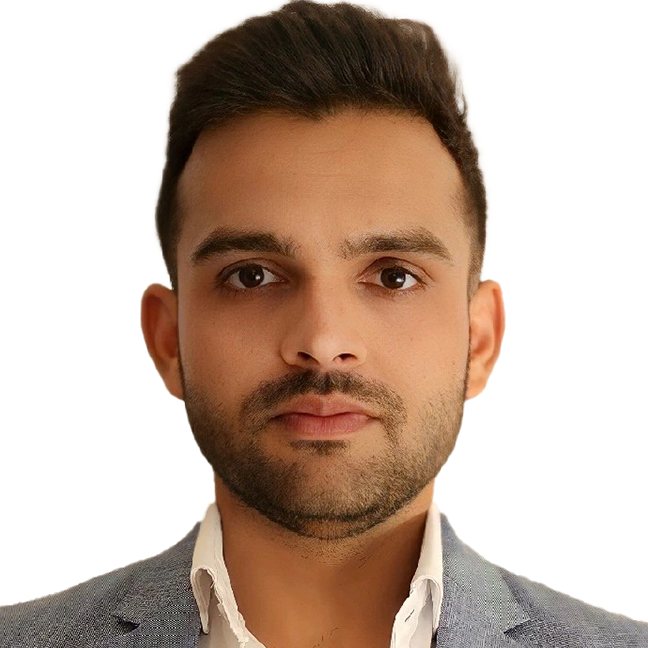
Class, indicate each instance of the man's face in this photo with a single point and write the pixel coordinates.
(387, 328)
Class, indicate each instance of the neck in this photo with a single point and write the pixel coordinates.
(293, 590)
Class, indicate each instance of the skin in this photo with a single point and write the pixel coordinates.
(321, 539)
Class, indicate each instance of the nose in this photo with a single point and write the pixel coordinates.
(325, 332)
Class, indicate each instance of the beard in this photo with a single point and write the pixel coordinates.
(325, 489)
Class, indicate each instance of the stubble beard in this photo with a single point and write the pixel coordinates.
(360, 495)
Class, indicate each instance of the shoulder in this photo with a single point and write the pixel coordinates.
(48, 620)
(86, 613)
(528, 612)
(570, 620)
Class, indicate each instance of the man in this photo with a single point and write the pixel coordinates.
(322, 217)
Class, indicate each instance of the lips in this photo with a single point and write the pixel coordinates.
(336, 425)
(325, 407)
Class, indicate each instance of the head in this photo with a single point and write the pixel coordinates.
(322, 218)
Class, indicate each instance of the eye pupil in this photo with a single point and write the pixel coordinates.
(394, 275)
(251, 276)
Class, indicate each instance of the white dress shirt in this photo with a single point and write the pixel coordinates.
(223, 626)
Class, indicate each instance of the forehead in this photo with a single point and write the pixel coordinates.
(321, 181)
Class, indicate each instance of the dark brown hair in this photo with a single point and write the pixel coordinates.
(314, 60)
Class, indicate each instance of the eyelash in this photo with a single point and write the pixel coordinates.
(221, 280)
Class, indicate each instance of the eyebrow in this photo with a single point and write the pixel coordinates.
(418, 240)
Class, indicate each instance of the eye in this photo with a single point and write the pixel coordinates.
(250, 276)
(394, 278)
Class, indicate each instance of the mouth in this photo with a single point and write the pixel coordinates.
(311, 426)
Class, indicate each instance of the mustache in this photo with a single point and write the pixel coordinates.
(271, 394)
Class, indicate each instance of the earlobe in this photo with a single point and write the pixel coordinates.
(487, 323)
(160, 329)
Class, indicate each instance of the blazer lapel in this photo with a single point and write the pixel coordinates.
(160, 602)
(478, 606)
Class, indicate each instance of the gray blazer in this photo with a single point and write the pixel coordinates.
(150, 604)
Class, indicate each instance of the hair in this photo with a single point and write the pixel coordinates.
(315, 60)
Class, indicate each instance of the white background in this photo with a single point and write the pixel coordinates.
(98, 467)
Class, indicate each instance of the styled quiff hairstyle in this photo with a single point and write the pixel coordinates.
(315, 60)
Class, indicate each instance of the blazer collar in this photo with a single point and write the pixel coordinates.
(160, 601)
(477, 609)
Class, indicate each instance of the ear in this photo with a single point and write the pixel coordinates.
(486, 333)
(160, 328)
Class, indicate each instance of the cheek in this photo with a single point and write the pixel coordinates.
(203, 340)
(224, 353)
(434, 345)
